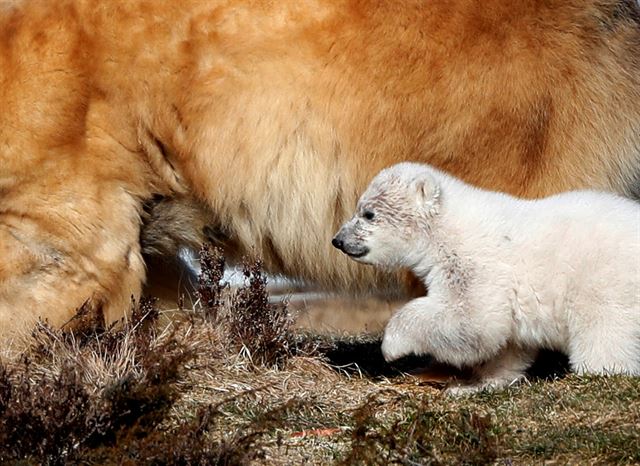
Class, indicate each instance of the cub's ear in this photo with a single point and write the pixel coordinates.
(429, 192)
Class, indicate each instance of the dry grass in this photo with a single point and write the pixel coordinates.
(233, 383)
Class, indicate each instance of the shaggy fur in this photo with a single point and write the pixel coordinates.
(275, 115)
(506, 276)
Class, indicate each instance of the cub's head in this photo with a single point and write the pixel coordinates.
(392, 217)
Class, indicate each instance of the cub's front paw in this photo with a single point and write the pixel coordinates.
(392, 349)
(396, 345)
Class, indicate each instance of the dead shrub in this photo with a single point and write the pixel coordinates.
(255, 325)
(50, 409)
(96, 394)
(210, 280)
(251, 324)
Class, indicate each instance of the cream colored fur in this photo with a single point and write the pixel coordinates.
(274, 115)
(506, 276)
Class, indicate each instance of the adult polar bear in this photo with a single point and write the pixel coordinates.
(506, 276)
(275, 115)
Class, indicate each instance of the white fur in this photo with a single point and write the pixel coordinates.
(506, 276)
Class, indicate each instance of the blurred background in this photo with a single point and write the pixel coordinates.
(312, 309)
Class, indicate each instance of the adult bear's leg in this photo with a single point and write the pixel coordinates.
(69, 235)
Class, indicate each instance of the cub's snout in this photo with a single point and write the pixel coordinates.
(348, 243)
(338, 243)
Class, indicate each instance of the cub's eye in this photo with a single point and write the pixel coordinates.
(368, 215)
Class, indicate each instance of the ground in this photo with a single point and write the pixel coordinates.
(236, 382)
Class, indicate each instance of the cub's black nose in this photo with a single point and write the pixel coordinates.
(338, 243)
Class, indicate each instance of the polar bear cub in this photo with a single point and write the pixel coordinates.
(506, 276)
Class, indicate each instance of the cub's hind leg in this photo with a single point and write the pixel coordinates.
(608, 347)
(501, 371)
(604, 325)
